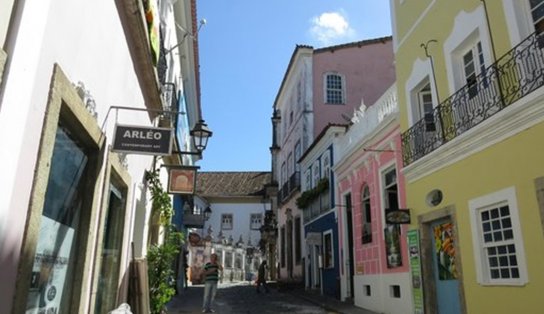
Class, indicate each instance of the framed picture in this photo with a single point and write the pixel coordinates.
(182, 180)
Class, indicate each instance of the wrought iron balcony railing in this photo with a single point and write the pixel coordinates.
(513, 76)
(289, 186)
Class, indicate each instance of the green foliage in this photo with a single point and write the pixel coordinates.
(161, 200)
(308, 196)
(161, 258)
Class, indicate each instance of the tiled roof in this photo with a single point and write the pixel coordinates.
(231, 184)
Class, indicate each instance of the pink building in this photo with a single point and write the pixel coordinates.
(369, 181)
(320, 86)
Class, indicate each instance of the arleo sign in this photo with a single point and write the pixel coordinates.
(142, 140)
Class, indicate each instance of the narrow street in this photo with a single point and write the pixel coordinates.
(241, 298)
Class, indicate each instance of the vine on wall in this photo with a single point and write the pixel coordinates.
(161, 257)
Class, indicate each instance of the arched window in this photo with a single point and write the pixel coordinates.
(366, 215)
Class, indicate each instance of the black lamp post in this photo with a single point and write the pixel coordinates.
(200, 134)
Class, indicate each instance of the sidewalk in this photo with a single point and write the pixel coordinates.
(328, 303)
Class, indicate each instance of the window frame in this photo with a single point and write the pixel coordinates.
(341, 90)
(226, 215)
(326, 164)
(496, 199)
(252, 224)
(366, 215)
(328, 252)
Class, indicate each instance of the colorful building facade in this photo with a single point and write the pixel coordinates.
(370, 184)
(469, 77)
(320, 86)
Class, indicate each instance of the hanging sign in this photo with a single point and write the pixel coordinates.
(397, 216)
(182, 180)
(142, 140)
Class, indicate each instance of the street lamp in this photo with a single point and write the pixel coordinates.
(200, 134)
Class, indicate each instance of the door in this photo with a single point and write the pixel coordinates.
(444, 267)
(349, 222)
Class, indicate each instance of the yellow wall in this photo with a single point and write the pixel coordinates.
(515, 162)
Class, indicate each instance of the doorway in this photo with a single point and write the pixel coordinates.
(349, 264)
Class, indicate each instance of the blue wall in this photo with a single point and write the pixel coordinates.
(330, 276)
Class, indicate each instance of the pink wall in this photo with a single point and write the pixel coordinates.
(368, 70)
(371, 256)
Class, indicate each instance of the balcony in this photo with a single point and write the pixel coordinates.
(318, 206)
(289, 186)
(513, 76)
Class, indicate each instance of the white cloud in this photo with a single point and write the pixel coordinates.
(331, 27)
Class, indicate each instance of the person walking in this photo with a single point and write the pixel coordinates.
(261, 277)
(211, 273)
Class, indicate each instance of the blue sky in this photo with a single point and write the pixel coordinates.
(245, 47)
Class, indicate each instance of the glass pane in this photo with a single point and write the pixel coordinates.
(52, 272)
(515, 272)
(111, 253)
(494, 273)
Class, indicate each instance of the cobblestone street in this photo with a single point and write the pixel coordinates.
(241, 299)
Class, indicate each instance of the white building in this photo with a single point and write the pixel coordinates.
(70, 207)
(233, 230)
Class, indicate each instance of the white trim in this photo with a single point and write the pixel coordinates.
(518, 20)
(326, 233)
(508, 196)
(468, 29)
(382, 170)
(421, 72)
(342, 81)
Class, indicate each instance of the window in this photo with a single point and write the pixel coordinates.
(473, 65)
(366, 215)
(334, 89)
(425, 107)
(498, 245)
(308, 178)
(298, 154)
(290, 165)
(298, 251)
(283, 178)
(282, 247)
(326, 164)
(226, 222)
(315, 170)
(390, 189)
(328, 257)
(256, 221)
(537, 13)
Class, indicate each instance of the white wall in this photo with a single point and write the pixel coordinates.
(241, 220)
(87, 41)
(380, 299)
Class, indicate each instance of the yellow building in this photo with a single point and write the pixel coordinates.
(469, 77)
